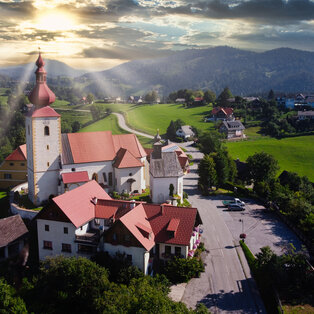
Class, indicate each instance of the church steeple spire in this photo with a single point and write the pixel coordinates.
(41, 95)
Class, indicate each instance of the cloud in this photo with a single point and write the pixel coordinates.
(16, 9)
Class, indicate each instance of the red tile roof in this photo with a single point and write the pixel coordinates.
(18, 154)
(228, 111)
(105, 211)
(11, 228)
(46, 111)
(125, 159)
(173, 224)
(159, 220)
(75, 177)
(129, 142)
(91, 146)
(77, 204)
(135, 217)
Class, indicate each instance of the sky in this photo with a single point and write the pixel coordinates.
(96, 35)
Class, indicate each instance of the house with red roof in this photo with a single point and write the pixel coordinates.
(58, 162)
(13, 170)
(86, 220)
(220, 113)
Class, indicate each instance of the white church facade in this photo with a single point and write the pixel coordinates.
(57, 162)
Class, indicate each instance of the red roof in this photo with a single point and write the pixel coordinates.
(41, 95)
(77, 204)
(198, 99)
(75, 177)
(125, 159)
(159, 220)
(44, 112)
(228, 111)
(137, 216)
(173, 224)
(18, 154)
(91, 146)
(129, 142)
(105, 211)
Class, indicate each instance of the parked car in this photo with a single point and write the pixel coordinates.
(236, 207)
(235, 201)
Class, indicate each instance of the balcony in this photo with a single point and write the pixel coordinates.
(90, 237)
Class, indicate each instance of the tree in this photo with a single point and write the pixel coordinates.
(209, 142)
(221, 166)
(271, 95)
(207, 173)
(76, 125)
(172, 129)
(224, 96)
(209, 96)
(90, 98)
(9, 302)
(151, 97)
(262, 167)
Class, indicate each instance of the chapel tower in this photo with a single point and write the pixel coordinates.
(43, 140)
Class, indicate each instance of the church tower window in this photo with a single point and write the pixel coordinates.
(47, 132)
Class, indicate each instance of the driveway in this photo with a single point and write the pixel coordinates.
(226, 286)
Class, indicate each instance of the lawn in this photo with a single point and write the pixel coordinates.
(293, 154)
(71, 116)
(149, 118)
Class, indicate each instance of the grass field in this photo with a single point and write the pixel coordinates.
(293, 154)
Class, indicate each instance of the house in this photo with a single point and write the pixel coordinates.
(135, 100)
(220, 113)
(116, 161)
(232, 129)
(13, 235)
(198, 101)
(86, 220)
(180, 100)
(185, 132)
(13, 170)
(309, 100)
(182, 157)
(165, 170)
(304, 115)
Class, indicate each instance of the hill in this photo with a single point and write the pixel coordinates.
(245, 72)
(53, 67)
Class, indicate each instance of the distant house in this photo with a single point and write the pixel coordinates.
(185, 132)
(198, 101)
(220, 113)
(135, 100)
(13, 170)
(304, 115)
(284, 101)
(13, 234)
(180, 100)
(232, 129)
(309, 100)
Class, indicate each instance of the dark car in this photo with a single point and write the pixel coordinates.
(236, 207)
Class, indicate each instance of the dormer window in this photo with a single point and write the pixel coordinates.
(47, 132)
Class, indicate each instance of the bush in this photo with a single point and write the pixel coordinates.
(182, 270)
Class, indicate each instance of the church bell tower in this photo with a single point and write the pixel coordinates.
(43, 140)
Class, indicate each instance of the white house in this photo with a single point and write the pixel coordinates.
(86, 220)
(165, 174)
(115, 161)
(185, 132)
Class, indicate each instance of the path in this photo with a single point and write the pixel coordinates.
(226, 286)
(123, 125)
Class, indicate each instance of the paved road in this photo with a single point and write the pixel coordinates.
(224, 287)
(122, 124)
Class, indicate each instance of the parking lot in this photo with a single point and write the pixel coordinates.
(261, 227)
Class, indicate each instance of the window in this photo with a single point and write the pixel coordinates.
(48, 164)
(28, 130)
(105, 176)
(8, 176)
(11, 163)
(73, 169)
(110, 179)
(48, 245)
(66, 247)
(95, 177)
(22, 164)
(168, 249)
(81, 227)
(177, 250)
(130, 174)
(47, 147)
(85, 249)
(46, 227)
(65, 230)
(46, 131)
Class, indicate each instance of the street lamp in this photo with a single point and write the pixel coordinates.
(242, 235)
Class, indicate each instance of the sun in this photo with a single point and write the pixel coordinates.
(55, 20)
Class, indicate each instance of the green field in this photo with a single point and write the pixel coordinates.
(293, 154)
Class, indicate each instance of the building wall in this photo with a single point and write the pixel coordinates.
(43, 157)
(57, 236)
(184, 249)
(160, 188)
(122, 175)
(16, 170)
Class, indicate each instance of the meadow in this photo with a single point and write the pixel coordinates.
(293, 154)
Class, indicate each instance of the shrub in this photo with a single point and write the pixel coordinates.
(182, 270)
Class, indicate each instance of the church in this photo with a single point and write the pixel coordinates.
(57, 162)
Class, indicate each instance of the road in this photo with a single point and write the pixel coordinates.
(224, 287)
